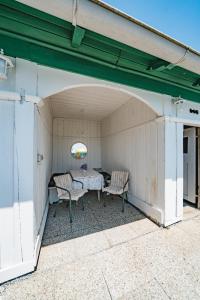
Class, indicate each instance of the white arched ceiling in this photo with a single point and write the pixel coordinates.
(52, 82)
(93, 102)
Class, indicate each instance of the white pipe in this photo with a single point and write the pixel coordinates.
(13, 96)
(185, 121)
(74, 13)
(101, 18)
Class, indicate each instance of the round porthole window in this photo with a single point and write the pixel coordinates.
(79, 150)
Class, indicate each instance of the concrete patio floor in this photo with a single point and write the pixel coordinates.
(109, 255)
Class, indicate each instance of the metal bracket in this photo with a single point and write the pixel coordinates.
(78, 36)
(40, 157)
(160, 65)
(196, 83)
(22, 96)
(177, 100)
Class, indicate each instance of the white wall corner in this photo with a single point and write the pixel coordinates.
(173, 206)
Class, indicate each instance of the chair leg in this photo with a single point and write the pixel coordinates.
(123, 202)
(82, 203)
(54, 215)
(127, 196)
(99, 195)
(70, 210)
(104, 200)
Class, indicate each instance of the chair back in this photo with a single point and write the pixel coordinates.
(64, 181)
(119, 179)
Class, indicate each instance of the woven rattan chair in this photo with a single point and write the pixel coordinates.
(118, 186)
(66, 191)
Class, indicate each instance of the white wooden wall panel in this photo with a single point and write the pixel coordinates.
(130, 114)
(66, 132)
(161, 164)
(16, 213)
(9, 223)
(130, 141)
(43, 169)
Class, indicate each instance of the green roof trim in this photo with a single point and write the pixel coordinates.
(28, 33)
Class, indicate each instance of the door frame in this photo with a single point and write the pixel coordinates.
(191, 132)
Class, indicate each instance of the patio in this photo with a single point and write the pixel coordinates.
(109, 255)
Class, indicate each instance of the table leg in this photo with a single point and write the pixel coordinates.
(99, 194)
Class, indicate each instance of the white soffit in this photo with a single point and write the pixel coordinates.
(92, 103)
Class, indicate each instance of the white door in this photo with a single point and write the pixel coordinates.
(189, 165)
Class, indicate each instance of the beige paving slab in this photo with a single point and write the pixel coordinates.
(119, 234)
(80, 280)
(143, 226)
(71, 250)
(179, 283)
(90, 244)
(123, 283)
(190, 212)
(151, 290)
(191, 227)
(39, 285)
(129, 231)
(54, 255)
(155, 250)
(115, 260)
(183, 244)
(123, 270)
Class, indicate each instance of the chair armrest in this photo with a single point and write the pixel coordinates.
(78, 182)
(125, 184)
(61, 188)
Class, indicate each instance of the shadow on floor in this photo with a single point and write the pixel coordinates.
(94, 218)
(189, 204)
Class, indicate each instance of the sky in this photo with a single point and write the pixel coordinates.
(179, 19)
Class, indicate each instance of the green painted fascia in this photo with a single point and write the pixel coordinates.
(33, 35)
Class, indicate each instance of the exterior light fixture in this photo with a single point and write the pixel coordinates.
(177, 100)
(5, 63)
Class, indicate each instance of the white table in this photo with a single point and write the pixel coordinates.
(91, 179)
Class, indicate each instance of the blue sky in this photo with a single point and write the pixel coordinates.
(178, 18)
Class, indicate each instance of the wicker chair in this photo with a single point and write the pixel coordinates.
(65, 190)
(118, 186)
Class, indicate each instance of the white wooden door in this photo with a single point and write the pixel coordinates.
(189, 165)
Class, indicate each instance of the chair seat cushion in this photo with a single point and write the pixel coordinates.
(75, 194)
(115, 190)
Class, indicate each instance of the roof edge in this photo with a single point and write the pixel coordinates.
(146, 26)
